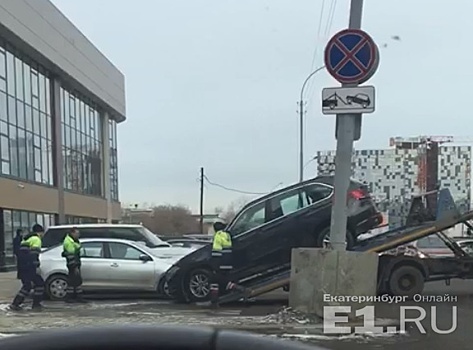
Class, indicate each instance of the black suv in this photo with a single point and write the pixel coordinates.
(265, 231)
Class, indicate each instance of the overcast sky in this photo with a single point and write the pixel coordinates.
(215, 83)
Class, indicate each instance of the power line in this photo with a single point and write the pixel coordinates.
(231, 189)
(331, 15)
(317, 45)
(324, 37)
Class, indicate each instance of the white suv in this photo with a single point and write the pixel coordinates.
(55, 235)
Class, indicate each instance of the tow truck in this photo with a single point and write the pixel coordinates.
(400, 274)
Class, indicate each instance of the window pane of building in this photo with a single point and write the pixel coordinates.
(3, 107)
(22, 127)
(3, 68)
(10, 74)
(19, 78)
(81, 144)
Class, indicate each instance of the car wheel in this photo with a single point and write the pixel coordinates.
(323, 239)
(166, 290)
(364, 105)
(56, 287)
(197, 285)
(406, 281)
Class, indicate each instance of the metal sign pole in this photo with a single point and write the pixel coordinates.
(346, 128)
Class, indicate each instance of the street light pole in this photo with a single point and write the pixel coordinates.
(301, 124)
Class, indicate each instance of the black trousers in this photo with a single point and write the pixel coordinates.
(30, 280)
(74, 283)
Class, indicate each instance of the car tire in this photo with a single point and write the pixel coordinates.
(323, 236)
(55, 287)
(197, 285)
(406, 281)
(165, 291)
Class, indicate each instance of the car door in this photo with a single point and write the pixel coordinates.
(95, 267)
(128, 271)
(277, 234)
(260, 240)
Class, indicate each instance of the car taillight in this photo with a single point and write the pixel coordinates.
(358, 194)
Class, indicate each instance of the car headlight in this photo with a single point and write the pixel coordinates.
(422, 255)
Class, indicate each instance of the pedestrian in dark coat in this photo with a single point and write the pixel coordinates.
(16, 249)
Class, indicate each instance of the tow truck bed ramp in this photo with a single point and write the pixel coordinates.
(447, 216)
(269, 284)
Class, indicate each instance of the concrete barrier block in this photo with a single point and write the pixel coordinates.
(321, 277)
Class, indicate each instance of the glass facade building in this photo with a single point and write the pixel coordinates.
(58, 125)
(25, 118)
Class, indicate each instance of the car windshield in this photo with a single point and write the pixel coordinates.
(153, 240)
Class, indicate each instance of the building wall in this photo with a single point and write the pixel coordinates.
(64, 49)
(60, 102)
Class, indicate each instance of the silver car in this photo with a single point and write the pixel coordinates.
(113, 265)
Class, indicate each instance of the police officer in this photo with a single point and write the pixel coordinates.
(71, 251)
(222, 263)
(28, 270)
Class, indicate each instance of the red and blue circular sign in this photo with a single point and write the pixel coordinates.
(351, 56)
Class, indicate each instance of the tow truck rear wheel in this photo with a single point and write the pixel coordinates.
(406, 281)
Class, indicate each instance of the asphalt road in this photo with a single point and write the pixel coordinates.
(264, 317)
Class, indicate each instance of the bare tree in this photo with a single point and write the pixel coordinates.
(233, 208)
(168, 220)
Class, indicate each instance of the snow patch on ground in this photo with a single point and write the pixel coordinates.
(359, 338)
(289, 316)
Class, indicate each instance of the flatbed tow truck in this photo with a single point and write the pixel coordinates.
(398, 274)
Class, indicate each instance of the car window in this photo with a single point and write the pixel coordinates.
(287, 203)
(93, 232)
(53, 237)
(92, 250)
(124, 251)
(252, 217)
(316, 192)
(126, 233)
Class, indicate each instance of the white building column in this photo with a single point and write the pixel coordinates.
(106, 165)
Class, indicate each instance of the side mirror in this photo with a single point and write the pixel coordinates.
(145, 258)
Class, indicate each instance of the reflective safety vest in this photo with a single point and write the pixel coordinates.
(222, 248)
(71, 251)
(28, 254)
